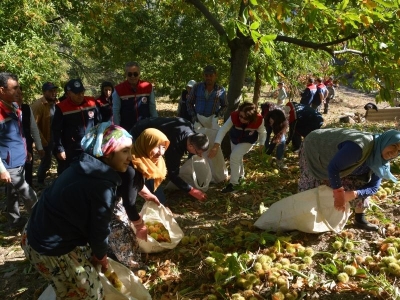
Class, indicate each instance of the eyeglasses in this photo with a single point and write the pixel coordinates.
(130, 74)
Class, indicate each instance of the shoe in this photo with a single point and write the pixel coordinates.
(366, 226)
(228, 189)
(281, 165)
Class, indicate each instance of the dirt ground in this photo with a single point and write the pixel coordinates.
(20, 281)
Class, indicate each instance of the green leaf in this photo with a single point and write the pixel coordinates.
(318, 5)
(255, 35)
(254, 25)
(268, 38)
(344, 4)
(243, 28)
(253, 2)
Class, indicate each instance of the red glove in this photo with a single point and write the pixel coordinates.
(199, 195)
(102, 262)
(141, 229)
(338, 195)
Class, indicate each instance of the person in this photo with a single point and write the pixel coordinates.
(13, 151)
(245, 127)
(302, 120)
(280, 94)
(351, 162)
(147, 163)
(133, 99)
(32, 135)
(331, 93)
(207, 98)
(104, 101)
(66, 237)
(182, 107)
(182, 139)
(320, 95)
(72, 117)
(275, 122)
(43, 111)
(308, 94)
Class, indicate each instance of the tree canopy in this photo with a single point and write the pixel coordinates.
(173, 40)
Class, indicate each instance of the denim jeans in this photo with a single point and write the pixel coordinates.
(270, 146)
(159, 192)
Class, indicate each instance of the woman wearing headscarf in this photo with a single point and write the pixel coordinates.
(147, 163)
(351, 162)
(66, 237)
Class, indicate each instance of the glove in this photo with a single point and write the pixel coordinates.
(338, 195)
(350, 195)
(199, 195)
(141, 229)
(102, 262)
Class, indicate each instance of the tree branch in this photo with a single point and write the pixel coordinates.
(207, 14)
(323, 46)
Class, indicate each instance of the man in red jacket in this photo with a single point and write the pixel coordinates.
(72, 117)
(133, 99)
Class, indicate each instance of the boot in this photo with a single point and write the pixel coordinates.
(362, 223)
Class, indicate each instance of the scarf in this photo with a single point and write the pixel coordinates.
(375, 161)
(147, 141)
(103, 139)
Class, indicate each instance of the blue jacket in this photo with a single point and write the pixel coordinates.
(12, 139)
(71, 212)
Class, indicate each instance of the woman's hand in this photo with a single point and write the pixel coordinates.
(148, 196)
(141, 229)
(102, 262)
(213, 151)
(339, 196)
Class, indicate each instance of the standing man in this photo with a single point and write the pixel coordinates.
(43, 111)
(320, 95)
(308, 94)
(72, 118)
(182, 139)
(133, 99)
(207, 98)
(13, 150)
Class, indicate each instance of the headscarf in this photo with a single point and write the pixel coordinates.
(375, 161)
(147, 141)
(103, 139)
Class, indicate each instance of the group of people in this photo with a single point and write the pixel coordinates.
(111, 149)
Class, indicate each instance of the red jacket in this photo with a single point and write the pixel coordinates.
(244, 133)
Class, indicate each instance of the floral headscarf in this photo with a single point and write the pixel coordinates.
(147, 141)
(103, 139)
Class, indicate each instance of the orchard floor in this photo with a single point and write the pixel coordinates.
(177, 270)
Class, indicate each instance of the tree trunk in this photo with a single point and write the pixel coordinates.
(240, 51)
(257, 87)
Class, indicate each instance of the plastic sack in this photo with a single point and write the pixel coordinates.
(219, 171)
(310, 211)
(195, 171)
(135, 290)
(152, 213)
(210, 122)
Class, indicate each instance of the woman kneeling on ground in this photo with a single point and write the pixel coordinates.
(351, 162)
(66, 237)
(147, 163)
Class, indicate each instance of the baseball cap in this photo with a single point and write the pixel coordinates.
(47, 86)
(191, 83)
(75, 86)
(210, 69)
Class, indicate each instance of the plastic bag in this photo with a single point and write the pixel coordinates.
(195, 171)
(310, 211)
(134, 289)
(152, 213)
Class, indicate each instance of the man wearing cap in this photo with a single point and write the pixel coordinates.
(207, 98)
(72, 117)
(133, 99)
(13, 150)
(43, 111)
(182, 108)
